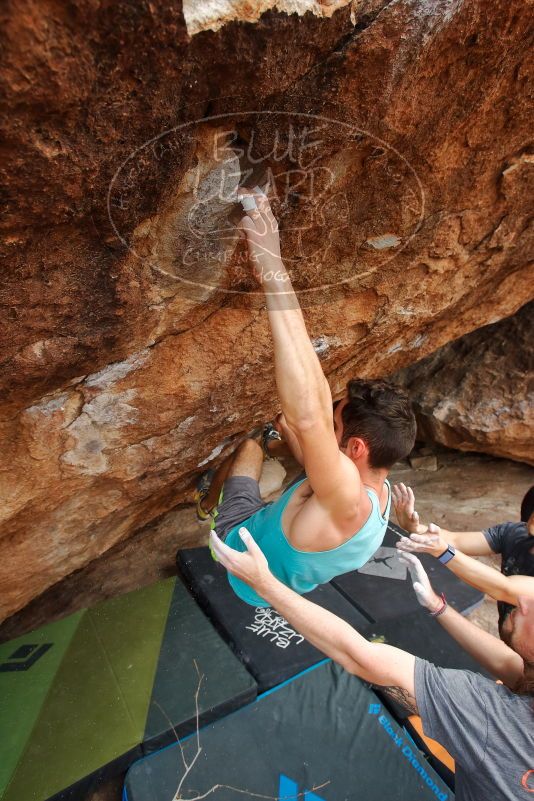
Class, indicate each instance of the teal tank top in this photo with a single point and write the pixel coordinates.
(303, 571)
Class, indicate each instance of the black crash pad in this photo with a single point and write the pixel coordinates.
(322, 736)
(192, 655)
(382, 588)
(270, 649)
(422, 635)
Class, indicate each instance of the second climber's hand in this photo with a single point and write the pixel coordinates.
(421, 583)
(431, 542)
(260, 228)
(250, 566)
(404, 503)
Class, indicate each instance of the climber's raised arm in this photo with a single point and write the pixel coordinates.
(303, 390)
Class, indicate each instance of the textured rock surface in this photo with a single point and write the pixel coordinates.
(133, 351)
(477, 393)
(213, 14)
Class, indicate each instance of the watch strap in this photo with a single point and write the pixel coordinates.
(448, 554)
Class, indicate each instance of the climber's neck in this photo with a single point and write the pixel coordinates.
(373, 479)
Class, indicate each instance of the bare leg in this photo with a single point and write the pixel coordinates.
(247, 460)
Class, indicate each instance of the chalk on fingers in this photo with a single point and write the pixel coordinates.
(248, 202)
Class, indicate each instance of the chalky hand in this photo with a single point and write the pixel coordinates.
(260, 228)
(420, 582)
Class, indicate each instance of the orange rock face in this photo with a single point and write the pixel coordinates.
(135, 347)
(477, 394)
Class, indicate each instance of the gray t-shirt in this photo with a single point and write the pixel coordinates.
(488, 729)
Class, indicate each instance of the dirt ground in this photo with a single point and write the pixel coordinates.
(466, 493)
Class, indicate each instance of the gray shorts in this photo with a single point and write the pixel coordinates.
(240, 499)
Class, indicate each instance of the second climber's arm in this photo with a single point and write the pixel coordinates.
(379, 663)
(489, 580)
(487, 650)
(472, 543)
(490, 652)
(477, 574)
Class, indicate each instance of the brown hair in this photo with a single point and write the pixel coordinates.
(381, 414)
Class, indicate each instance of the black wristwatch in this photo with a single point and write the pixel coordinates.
(447, 555)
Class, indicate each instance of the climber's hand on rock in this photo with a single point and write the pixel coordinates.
(250, 566)
(404, 503)
(260, 229)
(432, 542)
(421, 583)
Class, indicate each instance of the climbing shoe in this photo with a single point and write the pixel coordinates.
(203, 487)
(269, 434)
(214, 513)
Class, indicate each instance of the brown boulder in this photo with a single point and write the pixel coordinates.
(135, 348)
(477, 393)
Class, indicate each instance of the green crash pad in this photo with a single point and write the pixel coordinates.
(100, 688)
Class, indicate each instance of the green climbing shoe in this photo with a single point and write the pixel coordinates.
(203, 487)
(214, 513)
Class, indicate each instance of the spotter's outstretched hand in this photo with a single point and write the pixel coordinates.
(421, 583)
(404, 503)
(431, 542)
(250, 566)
